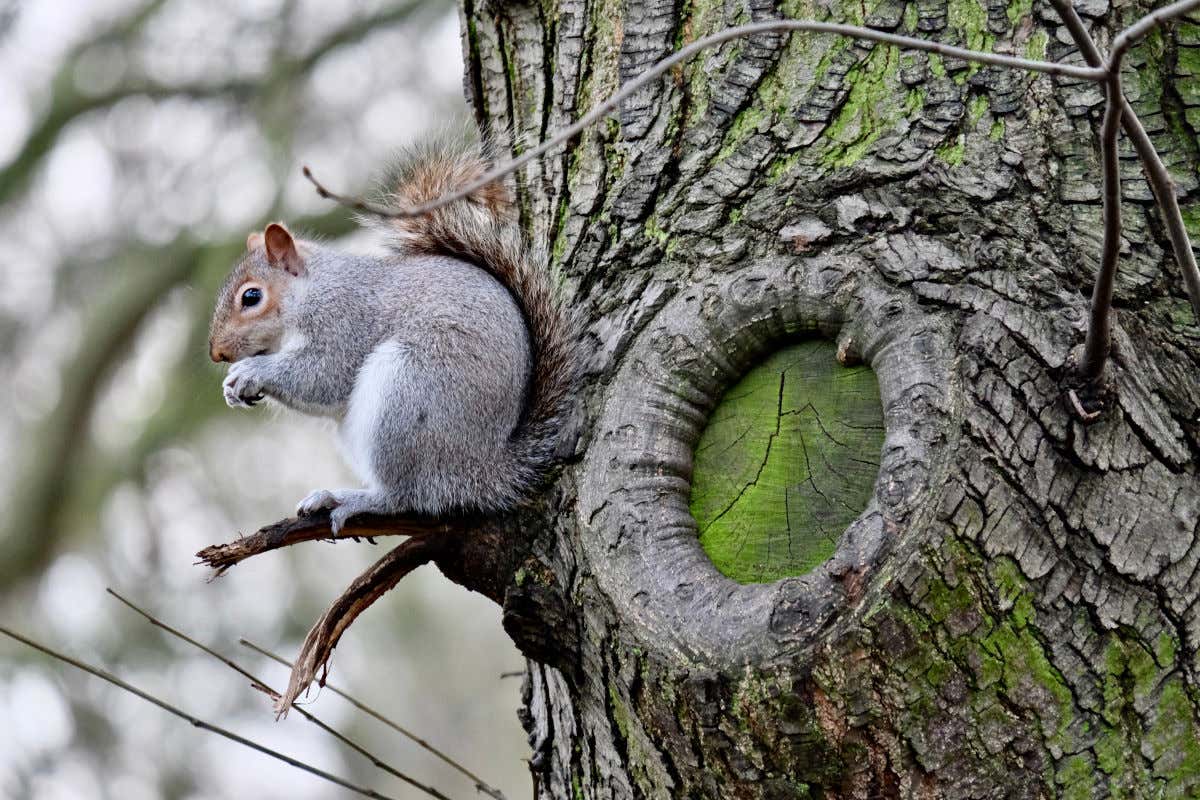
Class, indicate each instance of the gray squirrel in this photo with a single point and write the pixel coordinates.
(448, 362)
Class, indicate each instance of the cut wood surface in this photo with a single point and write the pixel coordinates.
(788, 460)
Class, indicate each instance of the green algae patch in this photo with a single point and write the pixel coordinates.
(1035, 48)
(952, 152)
(871, 108)
(788, 459)
(970, 17)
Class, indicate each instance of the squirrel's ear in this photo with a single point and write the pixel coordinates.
(254, 240)
(281, 249)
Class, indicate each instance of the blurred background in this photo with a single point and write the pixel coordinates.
(139, 143)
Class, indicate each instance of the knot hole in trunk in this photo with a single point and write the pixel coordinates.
(766, 447)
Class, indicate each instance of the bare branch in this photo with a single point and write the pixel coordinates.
(263, 687)
(353, 32)
(48, 478)
(8, 15)
(1156, 172)
(1077, 406)
(363, 707)
(195, 721)
(67, 103)
(1096, 347)
(44, 479)
(366, 589)
(685, 53)
(293, 530)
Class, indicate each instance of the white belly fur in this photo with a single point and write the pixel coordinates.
(377, 376)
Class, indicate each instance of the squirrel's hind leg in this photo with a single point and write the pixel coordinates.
(359, 434)
(346, 503)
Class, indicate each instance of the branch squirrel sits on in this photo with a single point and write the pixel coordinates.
(448, 362)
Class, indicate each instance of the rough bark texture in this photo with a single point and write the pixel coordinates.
(1014, 613)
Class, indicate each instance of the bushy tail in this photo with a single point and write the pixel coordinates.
(483, 229)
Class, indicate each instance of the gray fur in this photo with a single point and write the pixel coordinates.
(459, 357)
(449, 364)
(482, 229)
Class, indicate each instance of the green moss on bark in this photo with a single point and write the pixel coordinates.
(970, 17)
(871, 108)
(1035, 48)
(1136, 738)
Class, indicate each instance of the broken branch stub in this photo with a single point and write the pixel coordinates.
(293, 530)
(367, 588)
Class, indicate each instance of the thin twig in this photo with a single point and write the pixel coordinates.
(195, 721)
(366, 709)
(1157, 176)
(1084, 414)
(264, 688)
(68, 103)
(1099, 329)
(286, 532)
(685, 53)
(1096, 346)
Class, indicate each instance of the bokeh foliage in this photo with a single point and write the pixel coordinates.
(141, 140)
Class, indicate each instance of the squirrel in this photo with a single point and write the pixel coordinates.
(448, 363)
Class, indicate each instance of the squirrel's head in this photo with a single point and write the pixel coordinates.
(248, 319)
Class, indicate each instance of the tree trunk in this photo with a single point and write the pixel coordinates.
(1011, 611)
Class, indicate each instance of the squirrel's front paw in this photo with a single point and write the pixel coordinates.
(242, 388)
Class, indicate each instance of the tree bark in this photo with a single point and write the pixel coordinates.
(1013, 613)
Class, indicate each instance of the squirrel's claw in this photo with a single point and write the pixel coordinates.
(343, 504)
(338, 517)
(241, 388)
(231, 397)
(316, 501)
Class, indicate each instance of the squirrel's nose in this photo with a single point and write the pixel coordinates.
(216, 354)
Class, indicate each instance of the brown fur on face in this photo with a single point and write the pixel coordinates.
(238, 331)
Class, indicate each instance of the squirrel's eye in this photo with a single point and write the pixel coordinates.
(251, 297)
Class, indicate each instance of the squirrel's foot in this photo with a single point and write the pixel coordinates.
(316, 501)
(344, 503)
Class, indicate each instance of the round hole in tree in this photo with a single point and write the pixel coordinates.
(787, 461)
